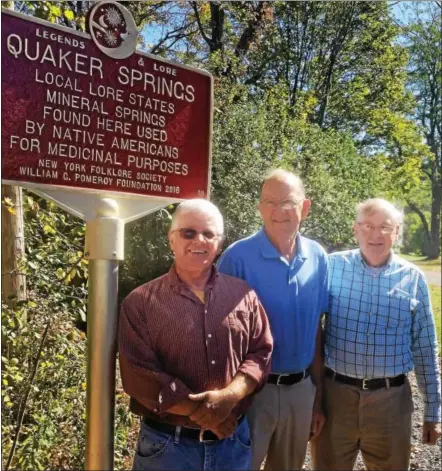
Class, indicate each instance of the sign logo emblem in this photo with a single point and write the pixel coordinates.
(113, 29)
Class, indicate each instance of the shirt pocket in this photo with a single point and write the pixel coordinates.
(394, 310)
(239, 327)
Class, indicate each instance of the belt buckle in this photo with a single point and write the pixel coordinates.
(279, 378)
(201, 436)
(364, 384)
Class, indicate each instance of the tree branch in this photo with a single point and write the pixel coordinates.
(200, 26)
(23, 403)
(176, 34)
(419, 212)
(217, 23)
(253, 26)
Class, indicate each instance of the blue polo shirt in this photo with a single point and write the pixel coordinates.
(294, 294)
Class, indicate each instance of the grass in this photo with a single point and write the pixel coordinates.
(422, 262)
(435, 292)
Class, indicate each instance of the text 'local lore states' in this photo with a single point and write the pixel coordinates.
(71, 136)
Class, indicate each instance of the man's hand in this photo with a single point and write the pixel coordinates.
(318, 421)
(431, 431)
(226, 428)
(215, 407)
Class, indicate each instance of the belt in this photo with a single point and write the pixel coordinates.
(188, 432)
(287, 379)
(374, 383)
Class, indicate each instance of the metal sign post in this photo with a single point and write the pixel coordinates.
(109, 135)
(105, 247)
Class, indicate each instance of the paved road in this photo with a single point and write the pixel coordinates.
(433, 277)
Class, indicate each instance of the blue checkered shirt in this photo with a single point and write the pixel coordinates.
(380, 324)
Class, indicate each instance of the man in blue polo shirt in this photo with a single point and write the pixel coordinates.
(289, 274)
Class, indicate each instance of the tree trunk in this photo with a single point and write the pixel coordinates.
(13, 247)
(433, 249)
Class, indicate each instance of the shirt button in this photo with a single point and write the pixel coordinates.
(205, 311)
(210, 336)
(213, 362)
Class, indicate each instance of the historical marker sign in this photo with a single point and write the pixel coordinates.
(75, 118)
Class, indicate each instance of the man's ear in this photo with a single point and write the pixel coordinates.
(305, 209)
(355, 231)
(170, 238)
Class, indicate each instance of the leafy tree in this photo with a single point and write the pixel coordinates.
(337, 65)
(413, 233)
(423, 36)
(67, 13)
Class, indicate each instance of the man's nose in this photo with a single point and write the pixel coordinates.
(377, 231)
(200, 237)
(276, 209)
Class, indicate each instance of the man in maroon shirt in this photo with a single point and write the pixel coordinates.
(194, 344)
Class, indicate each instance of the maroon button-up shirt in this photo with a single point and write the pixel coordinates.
(172, 344)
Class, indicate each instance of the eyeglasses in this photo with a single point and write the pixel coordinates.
(385, 228)
(285, 205)
(189, 234)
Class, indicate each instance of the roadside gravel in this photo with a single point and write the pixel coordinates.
(423, 457)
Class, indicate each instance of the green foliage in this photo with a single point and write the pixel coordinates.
(244, 148)
(66, 13)
(414, 234)
(46, 370)
(423, 38)
(44, 375)
(337, 177)
(147, 253)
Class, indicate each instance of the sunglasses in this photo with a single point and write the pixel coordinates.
(189, 234)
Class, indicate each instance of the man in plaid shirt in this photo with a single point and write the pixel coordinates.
(379, 327)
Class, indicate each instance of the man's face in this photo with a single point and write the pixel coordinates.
(376, 234)
(282, 209)
(195, 254)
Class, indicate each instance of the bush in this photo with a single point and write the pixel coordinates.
(44, 350)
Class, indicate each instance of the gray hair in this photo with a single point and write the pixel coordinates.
(199, 206)
(379, 205)
(287, 177)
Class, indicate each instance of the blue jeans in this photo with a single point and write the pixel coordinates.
(162, 451)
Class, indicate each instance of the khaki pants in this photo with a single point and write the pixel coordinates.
(378, 423)
(280, 420)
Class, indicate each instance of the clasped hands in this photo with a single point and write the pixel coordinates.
(431, 432)
(215, 411)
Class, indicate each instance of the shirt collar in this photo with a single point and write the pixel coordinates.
(364, 264)
(176, 282)
(268, 250)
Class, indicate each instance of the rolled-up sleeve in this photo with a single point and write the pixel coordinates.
(142, 374)
(257, 361)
